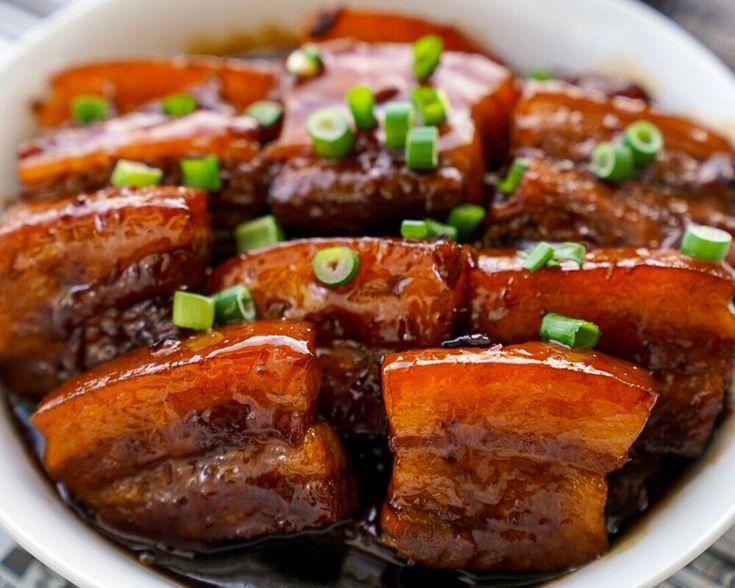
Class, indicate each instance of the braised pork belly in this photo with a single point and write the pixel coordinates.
(501, 454)
(200, 441)
(84, 279)
(373, 187)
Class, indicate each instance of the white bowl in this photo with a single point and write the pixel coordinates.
(602, 35)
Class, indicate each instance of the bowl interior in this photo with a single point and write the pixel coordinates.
(608, 36)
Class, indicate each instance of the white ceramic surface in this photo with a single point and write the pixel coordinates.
(615, 36)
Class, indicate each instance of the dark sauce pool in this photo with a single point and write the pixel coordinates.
(349, 553)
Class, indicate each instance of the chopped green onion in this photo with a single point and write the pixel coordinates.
(258, 233)
(613, 162)
(706, 243)
(422, 148)
(429, 105)
(234, 305)
(330, 133)
(398, 120)
(437, 229)
(179, 104)
(538, 257)
(135, 174)
(569, 251)
(336, 266)
(569, 331)
(362, 105)
(202, 173)
(540, 75)
(644, 140)
(305, 62)
(427, 52)
(414, 229)
(267, 112)
(193, 311)
(466, 218)
(89, 108)
(514, 176)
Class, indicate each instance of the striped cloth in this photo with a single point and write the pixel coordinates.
(713, 21)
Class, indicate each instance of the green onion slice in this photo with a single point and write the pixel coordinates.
(514, 176)
(540, 75)
(613, 162)
(422, 148)
(193, 311)
(202, 173)
(398, 120)
(336, 266)
(305, 62)
(538, 257)
(430, 106)
(257, 233)
(426, 56)
(440, 230)
(330, 133)
(466, 218)
(706, 243)
(179, 104)
(414, 229)
(135, 174)
(266, 112)
(234, 305)
(573, 332)
(645, 141)
(361, 101)
(570, 252)
(89, 108)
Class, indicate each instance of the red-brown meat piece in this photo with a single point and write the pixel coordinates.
(201, 441)
(129, 85)
(80, 277)
(658, 308)
(404, 294)
(501, 454)
(373, 188)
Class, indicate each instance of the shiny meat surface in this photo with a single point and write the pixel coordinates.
(381, 27)
(405, 293)
(233, 494)
(558, 201)
(500, 462)
(65, 264)
(658, 308)
(130, 85)
(565, 122)
(372, 188)
(180, 398)
(222, 421)
(69, 161)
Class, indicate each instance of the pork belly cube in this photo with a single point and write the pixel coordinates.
(565, 122)
(372, 188)
(404, 294)
(381, 27)
(132, 84)
(501, 454)
(560, 201)
(201, 441)
(658, 308)
(84, 279)
(74, 160)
